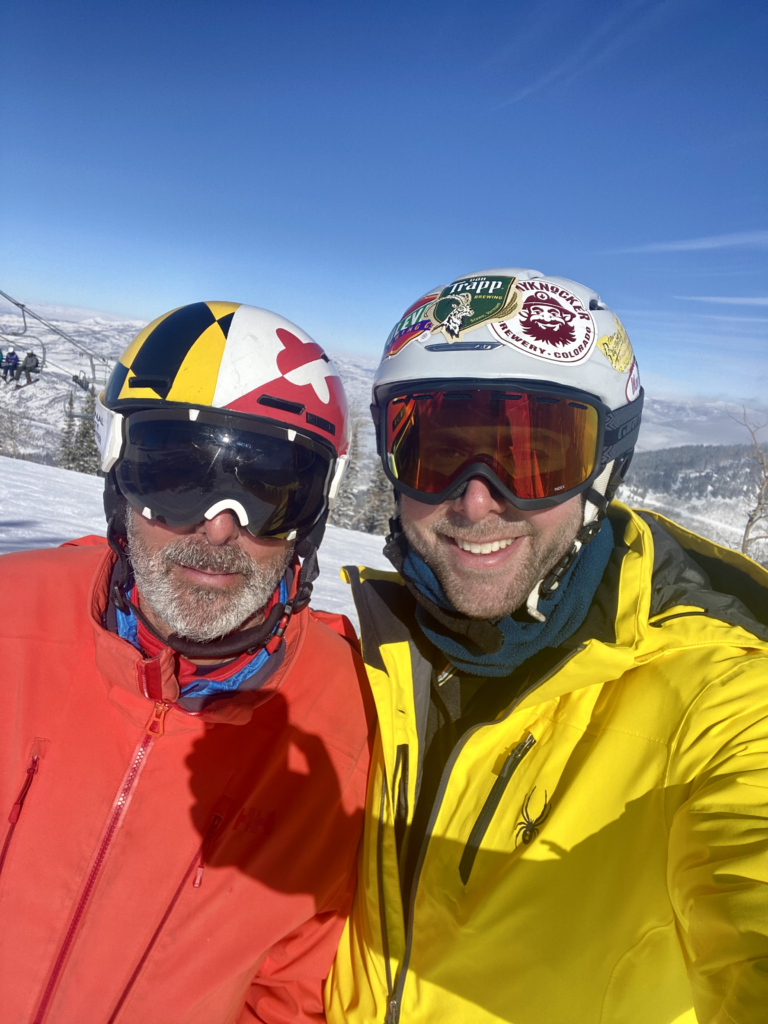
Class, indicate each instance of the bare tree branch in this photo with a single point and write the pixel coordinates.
(759, 454)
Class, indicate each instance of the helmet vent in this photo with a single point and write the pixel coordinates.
(153, 383)
(464, 346)
(281, 403)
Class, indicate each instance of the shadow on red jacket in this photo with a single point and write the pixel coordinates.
(160, 867)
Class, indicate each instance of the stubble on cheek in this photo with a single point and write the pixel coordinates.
(489, 593)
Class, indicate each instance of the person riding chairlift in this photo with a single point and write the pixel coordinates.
(10, 363)
(30, 365)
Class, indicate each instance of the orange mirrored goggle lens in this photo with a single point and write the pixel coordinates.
(538, 445)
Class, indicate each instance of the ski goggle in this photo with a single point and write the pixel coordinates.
(180, 471)
(536, 446)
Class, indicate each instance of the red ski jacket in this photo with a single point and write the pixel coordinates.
(158, 867)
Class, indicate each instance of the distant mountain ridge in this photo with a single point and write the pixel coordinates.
(708, 489)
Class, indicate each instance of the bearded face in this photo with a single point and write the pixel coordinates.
(197, 610)
(547, 322)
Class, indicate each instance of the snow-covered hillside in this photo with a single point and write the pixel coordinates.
(42, 506)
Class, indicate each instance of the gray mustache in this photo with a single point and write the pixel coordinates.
(207, 559)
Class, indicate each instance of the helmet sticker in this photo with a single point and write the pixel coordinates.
(633, 383)
(414, 321)
(552, 324)
(617, 348)
(471, 301)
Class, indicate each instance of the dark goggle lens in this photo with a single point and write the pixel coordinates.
(180, 469)
(538, 445)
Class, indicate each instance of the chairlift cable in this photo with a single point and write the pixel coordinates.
(67, 337)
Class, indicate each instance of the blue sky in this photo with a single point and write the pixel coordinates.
(332, 161)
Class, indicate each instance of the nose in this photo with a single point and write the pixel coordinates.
(221, 529)
(478, 500)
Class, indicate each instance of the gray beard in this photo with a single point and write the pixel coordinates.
(197, 612)
(488, 595)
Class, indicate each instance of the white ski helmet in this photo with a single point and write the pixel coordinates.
(520, 328)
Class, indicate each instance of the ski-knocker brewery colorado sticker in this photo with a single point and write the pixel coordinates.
(470, 301)
(551, 323)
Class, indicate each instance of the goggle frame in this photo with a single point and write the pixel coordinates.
(386, 392)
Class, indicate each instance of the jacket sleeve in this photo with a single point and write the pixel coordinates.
(718, 844)
(289, 986)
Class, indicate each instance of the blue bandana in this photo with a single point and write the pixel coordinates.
(566, 608)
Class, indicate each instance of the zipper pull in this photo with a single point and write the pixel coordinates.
(32, 767)
(156, 724)
(391, 1017)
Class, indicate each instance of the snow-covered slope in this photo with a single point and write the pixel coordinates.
(41, 506)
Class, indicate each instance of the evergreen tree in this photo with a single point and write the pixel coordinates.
(67, 443)
(15, 435)
(86, 454)
(379, 504)
(344, 512)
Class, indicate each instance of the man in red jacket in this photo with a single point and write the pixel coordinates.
(185, 742)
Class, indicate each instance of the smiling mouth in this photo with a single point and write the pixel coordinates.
(484, 549)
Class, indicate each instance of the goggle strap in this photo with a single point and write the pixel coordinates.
(622, 429)
(597, 499)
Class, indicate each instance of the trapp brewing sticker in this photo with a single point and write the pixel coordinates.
(617, 348)
(471, 301)
(552, 323)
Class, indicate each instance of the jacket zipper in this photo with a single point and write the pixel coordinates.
(154, 728)
(13, 817)
(490, 806)
(196, 863)
(380, 877)
(395, 1000)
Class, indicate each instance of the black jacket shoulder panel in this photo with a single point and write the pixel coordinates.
(683, 576)
(387, 614)
(385, 610)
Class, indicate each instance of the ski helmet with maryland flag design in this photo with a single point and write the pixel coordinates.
(219, 405)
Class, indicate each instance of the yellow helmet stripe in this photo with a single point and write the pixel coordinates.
(196, 380)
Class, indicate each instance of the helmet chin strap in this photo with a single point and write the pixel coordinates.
(595, 509)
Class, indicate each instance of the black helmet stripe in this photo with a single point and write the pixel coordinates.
(224, 323)
(164, 350)
(115, 384)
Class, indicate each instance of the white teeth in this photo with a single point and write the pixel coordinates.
(484, 549)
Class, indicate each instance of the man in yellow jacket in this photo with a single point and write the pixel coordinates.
(567, 816)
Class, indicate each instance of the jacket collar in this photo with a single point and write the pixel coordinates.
(622, 626)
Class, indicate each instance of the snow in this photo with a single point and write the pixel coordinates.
(41, 507)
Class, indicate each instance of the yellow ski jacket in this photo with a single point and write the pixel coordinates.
(598, 854)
